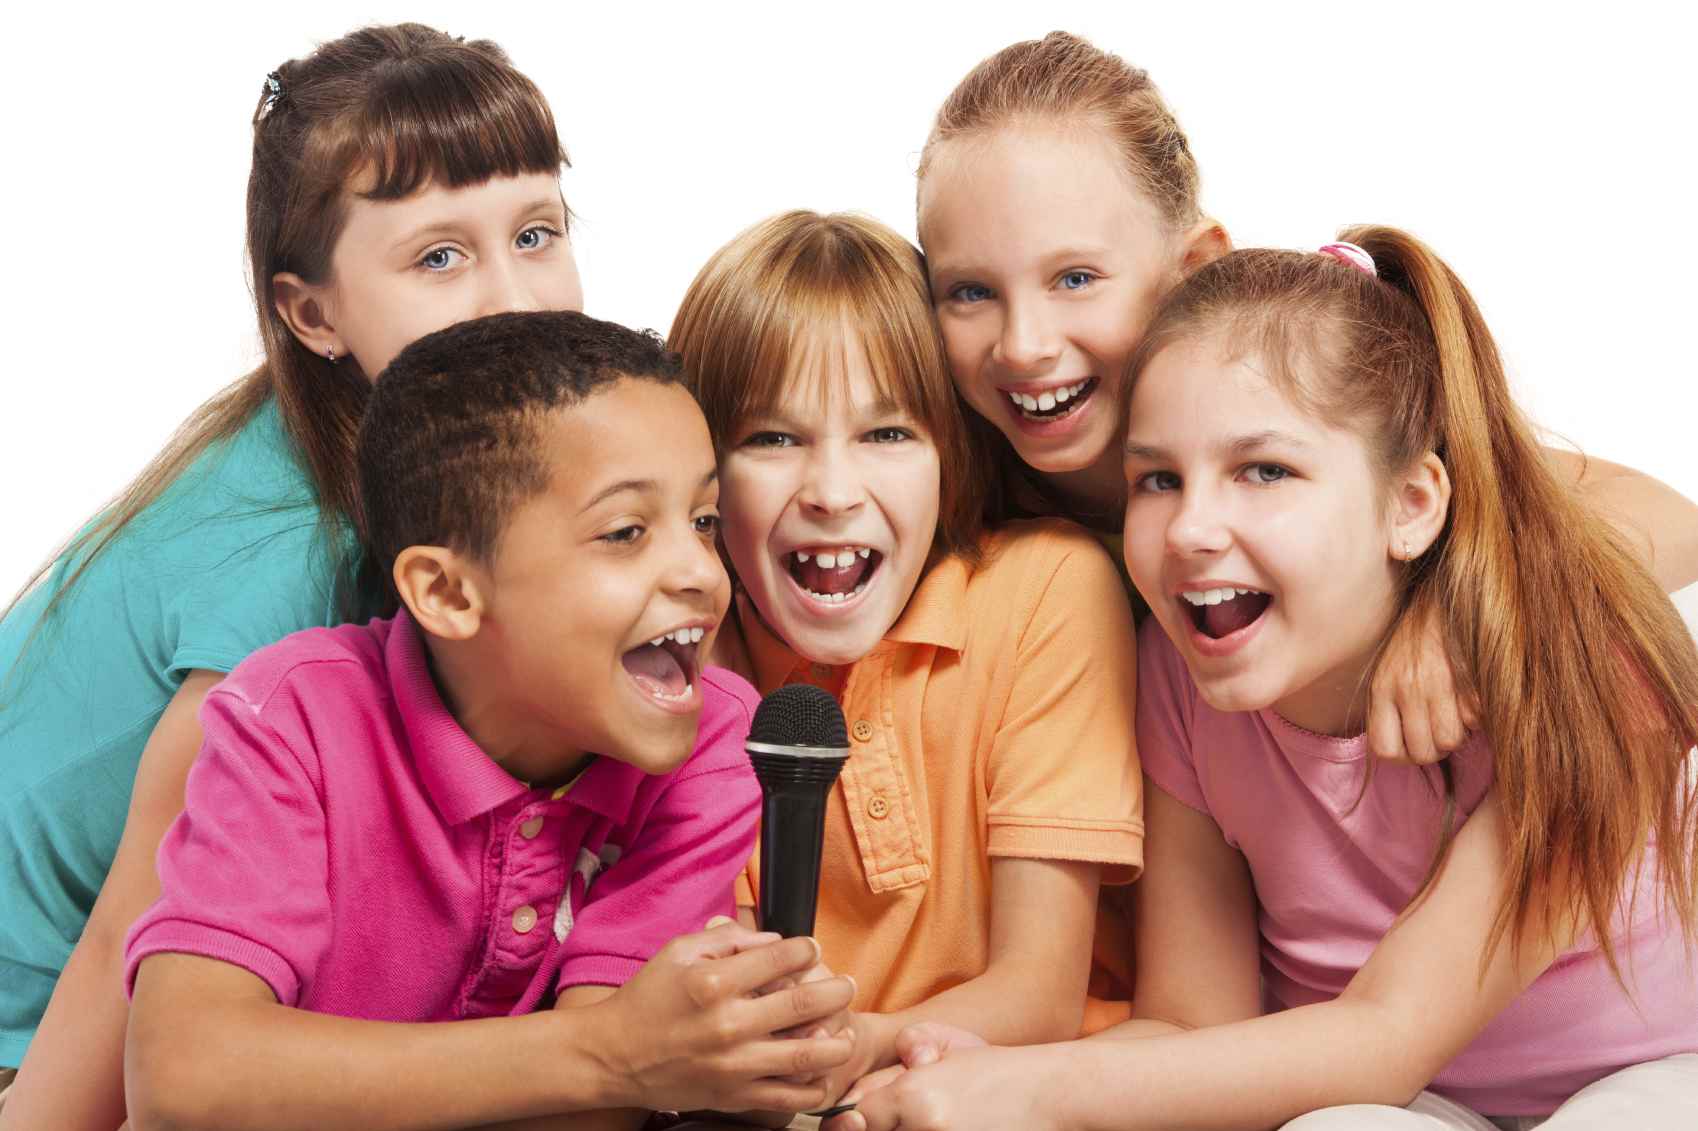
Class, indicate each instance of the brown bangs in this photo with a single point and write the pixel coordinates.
(802, 288)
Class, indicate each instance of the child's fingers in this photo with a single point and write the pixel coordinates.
(801, 1063)
(1446, 714)
(1385, 729)
(799, 1005)
(872, 1082)
(1418, 734)
(736, 970)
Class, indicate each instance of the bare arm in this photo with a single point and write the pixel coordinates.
(1657, 520)
(1194, 926)
(614, 1119)
(210, 1047)
(1409, 1010)
(73, 1077)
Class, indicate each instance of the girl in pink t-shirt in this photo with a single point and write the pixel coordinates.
(1319, 447)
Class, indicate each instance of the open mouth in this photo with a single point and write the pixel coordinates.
(665, 668)
(1218, 613)
(835, 575)
(1053, 404)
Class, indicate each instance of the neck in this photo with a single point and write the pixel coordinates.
(1093, 495)
(474, 690)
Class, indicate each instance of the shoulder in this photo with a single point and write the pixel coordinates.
(316, 665)
(728, 709)
(1044, 569)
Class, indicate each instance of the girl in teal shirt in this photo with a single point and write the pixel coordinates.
(402, 180)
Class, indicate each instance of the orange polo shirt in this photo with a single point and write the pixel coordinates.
(994, 719)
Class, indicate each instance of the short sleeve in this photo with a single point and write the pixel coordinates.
(243, 869)
(685, 859)
(1166, 708)
(1063, 776)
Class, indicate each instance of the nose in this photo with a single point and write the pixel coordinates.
(830, 484)
(695, 568)
(507, 287)
(1198, 526)
(1027, 342)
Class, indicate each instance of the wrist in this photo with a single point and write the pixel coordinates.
(591, 1069)
(875, 1040)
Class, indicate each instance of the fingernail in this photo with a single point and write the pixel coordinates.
(718, 921)
(926, 1055)
(854, 986)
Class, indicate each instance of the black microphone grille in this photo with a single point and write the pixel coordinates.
(799, 715)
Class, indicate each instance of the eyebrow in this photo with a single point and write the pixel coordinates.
(1239, 445)
(640, 487)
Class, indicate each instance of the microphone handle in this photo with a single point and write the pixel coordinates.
(794, 793)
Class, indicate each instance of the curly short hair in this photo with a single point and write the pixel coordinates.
(451, 441)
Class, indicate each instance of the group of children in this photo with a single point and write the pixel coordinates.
(385, 701)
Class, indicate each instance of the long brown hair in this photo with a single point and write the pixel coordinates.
(1065, 80)
(400, 107)
(798, 279)
(1586, 673)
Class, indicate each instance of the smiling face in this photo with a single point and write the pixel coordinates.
(606, 589)
(405, 268)
(1259, 535)
(1046, 263)
(831, 504)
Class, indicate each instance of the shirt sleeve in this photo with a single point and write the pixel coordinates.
(1166, 707)
(243, 870)
(683, 864)
(1063, 776)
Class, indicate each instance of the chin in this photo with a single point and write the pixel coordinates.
(659, 758)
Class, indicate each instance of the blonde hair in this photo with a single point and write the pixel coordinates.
(799, 279)
(1065, 79)
(1587, 675)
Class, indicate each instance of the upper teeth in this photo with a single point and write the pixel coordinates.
(1214, 596)
(1049, 398)
(680, 636)
(839, 559)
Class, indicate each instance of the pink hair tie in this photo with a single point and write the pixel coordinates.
(1351, 255)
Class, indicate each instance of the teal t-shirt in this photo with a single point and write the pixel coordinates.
(230, 558)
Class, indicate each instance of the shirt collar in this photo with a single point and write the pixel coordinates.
(463, 781)
(933, 617)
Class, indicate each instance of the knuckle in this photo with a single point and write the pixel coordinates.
(804, 1002)
(724, 1028)
(702, 985)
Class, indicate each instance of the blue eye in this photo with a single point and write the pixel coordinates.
(537, 237)
(1266, 473)
(1077, 280)
(970, 292)
(439, 258)
(1156, 481)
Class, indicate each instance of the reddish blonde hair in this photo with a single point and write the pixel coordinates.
(1587, 675)
(1065, 79)
(799, 279)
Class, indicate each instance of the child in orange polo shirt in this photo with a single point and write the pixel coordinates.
(987, 677)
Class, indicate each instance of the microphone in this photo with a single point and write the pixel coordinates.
(797, 744)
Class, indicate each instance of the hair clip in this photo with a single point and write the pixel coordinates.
(1351, 256)
(274, 89)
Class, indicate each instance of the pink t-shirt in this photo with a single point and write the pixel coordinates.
(344, 840)
(1330, 879)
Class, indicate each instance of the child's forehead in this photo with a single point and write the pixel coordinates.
(832, 370)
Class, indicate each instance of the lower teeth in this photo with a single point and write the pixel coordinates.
(835, 598)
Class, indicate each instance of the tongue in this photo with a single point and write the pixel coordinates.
(654, 669)
(1229, 616)
(832, 580)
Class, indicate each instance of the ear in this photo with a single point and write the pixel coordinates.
(1204, 243)
(1419, 505)
(444, 590)
(302, 307)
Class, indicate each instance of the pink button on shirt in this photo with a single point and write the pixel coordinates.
(348, 843)
(1331, 875)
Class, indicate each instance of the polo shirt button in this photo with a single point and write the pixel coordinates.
(531, 828)
(878, 808)
(524, 919)
(862, 730)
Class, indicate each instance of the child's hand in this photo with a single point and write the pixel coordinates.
(916, 1046)
(1415, 712)
(695, 1030)
(971, 1089)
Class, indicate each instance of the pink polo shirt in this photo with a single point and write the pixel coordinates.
(1332, 874)
(344, 840)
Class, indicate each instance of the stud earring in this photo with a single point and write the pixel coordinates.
(330, 354)
(1406, 552)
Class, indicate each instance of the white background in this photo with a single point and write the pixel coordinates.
(1547, 152)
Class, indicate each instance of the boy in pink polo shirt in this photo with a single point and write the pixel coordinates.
(513, 792)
